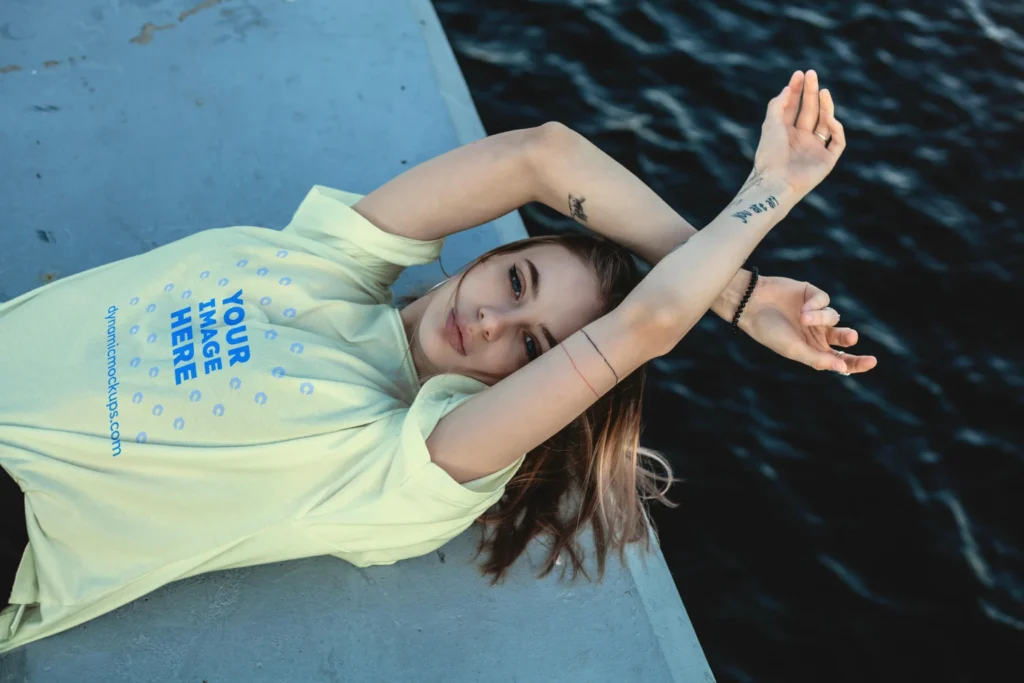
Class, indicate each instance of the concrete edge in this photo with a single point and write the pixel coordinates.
(455, 92)
(654, 584)
(667, 614)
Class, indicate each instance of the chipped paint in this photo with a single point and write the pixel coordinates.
(50, 63)
(9, 68)
(198, 8)
(146, 34)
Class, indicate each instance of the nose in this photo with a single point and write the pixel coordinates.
(492, 322)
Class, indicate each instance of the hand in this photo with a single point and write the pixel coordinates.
(789, 151)
(794, 320)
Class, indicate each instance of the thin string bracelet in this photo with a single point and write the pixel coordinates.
(602, 355)
(578, 371)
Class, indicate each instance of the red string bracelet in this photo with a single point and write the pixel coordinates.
(578, 371)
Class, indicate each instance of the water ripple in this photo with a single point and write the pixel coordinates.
(916, 235)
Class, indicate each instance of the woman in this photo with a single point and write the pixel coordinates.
(245, 395)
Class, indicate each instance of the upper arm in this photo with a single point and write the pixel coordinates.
(460, 189)
(494, 428)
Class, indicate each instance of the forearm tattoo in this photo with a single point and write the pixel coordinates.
(757, 207)
(576, 208)
(753, 179)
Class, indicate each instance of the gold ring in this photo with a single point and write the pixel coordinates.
(823, 138)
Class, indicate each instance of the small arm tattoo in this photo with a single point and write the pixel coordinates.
(757, 207)
(753, 179)
(576, 208)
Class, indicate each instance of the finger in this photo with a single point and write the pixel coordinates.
(841, 336)
(791, 109)
(776, 105)
(855, 364)
(817, 299)
(809, 106)
(826, 316)
(828, 118)
(823, 360)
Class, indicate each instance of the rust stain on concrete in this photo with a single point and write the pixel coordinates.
(146, 34)
(50, 63)
(207, 4)
(9, 68)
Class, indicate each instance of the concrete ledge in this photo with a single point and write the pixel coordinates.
(225, 113)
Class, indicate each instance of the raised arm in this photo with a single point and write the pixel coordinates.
(488, 178)
(495, 427)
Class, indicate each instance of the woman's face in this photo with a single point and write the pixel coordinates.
(510, 309)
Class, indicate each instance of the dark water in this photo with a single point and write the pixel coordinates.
(831, 529)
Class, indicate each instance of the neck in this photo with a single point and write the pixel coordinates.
(411, 316)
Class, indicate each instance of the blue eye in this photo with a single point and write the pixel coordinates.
(517, 287)
(531, 348)
(517, 291)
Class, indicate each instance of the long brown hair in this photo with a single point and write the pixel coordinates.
(593, 471)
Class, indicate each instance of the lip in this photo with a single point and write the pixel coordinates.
(454, 334)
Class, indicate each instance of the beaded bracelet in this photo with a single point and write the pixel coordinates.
(746, 297)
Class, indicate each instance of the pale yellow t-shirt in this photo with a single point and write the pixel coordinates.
(237, 397)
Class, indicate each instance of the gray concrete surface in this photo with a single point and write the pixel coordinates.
(127, 124)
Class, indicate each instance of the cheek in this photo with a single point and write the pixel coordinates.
(502, 359)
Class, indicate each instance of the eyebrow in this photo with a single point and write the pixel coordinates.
(535, 288)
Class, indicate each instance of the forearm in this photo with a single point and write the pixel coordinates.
(579, 180)
(684, 284)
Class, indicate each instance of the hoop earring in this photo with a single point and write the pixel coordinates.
(436, 286)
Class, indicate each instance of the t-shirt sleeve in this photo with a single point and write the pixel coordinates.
(439, 396)
(419, 507)
(372, 257)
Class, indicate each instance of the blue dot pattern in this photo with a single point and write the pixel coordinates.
(235, 383)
